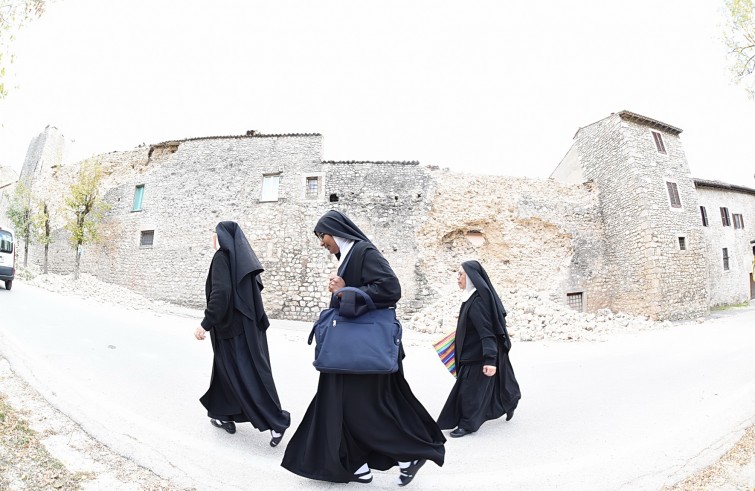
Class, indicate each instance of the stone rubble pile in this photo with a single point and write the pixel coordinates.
(533, 317)
(88, 286)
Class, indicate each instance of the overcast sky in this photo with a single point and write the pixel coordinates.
(496, 87)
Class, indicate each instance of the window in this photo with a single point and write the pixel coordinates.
(313, 186)
(147, 238)
(739, 222)
(673, 195)
(6, 242)
(726, 259)
(704, 214)
(682, 244)
(659, 142)
(574, 300)
(725, 217)
(138, 195)
(270, 186)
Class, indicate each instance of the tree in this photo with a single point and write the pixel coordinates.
(14, 14)
(85, 209)
(19, 213)
(41, 221)
(740, 39)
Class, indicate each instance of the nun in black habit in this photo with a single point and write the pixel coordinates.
(360, 422)
(485, 386)
(242, 387)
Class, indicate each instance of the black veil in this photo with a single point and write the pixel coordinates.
(245, 271)
(479, 277)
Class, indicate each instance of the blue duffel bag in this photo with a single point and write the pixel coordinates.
(357, 339)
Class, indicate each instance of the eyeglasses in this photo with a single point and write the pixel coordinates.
(320, 235)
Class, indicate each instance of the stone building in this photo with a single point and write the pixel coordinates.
(726, 217)
(609, 236)
(47, 149)
(662, 261)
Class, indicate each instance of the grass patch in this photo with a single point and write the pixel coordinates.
(25, 462)
(718, 308)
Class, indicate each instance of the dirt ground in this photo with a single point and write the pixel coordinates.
(42, 449)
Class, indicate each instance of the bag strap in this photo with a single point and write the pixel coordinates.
(367, 300)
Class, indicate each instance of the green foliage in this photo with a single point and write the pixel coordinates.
(740, 39)
(19, 212)
(83, 205)
(41, 224)
(14, 14)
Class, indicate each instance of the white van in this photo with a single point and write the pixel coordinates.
(7, 257)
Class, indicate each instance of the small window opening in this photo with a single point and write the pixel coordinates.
(333, 198)
(574, 301)
(725, 219)
(704, 215)
(739, 221)
(147, 238)
(673, 194)
(138, 196)
(682, 244)
(270, 186)
(658, 138)
(313, 186)
(726, 258)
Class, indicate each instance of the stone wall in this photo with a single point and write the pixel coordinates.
(608, 235)
(535, 234)
(191, 185)
(527, 233)
(730, 286)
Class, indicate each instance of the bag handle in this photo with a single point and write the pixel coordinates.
(367, 300)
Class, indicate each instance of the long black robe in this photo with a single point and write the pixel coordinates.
(481, 339)
(357, 419)
(242, 387)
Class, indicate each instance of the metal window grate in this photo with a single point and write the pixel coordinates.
(682, 244)
(147, 238)
(726, 258)
(313, 186)
(704, 214)
(574, 301)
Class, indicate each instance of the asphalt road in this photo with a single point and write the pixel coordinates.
(638, 411)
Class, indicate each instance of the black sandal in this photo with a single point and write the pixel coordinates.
(362, 477)
(228, 426)
(276, 439)
(408, 474)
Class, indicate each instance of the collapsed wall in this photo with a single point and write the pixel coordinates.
(528, 233)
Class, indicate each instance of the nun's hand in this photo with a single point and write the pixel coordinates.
(199, 333)
(335, 283)
(488, 370)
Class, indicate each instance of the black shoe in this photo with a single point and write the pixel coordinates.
(228, 426)
(509, 415)
(459, 432)
(364, 477)
(408, 474)
(276, 439)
